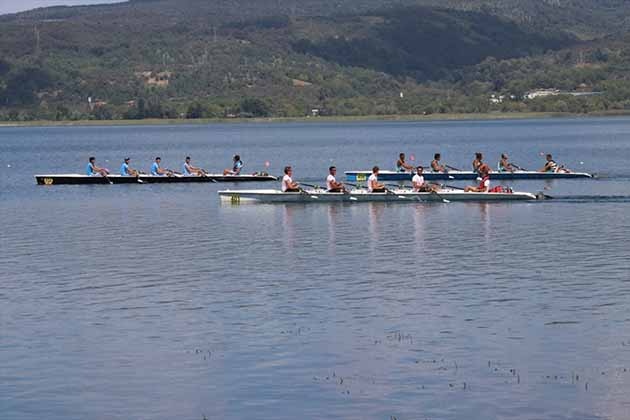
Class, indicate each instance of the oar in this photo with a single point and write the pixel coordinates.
(390, 192)
(453, 168)
(518, 167)
(317, 187)
(303, 191)
(444, 200)
(107, 178)
(453, 187)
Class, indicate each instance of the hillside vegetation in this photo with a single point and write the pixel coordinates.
(197, 58)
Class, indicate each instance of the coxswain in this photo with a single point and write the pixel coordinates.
(436, 166)
(236, 166)
(552, 166)
(332, 185)
(484, 184)
(287, 182)
(92, 170)
(125, 170)
(157, 171)
(373, 185)
(504, 164)
(477, 162)
(188, 169)
(418, 183)
(401, 165)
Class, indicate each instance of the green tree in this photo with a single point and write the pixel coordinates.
(254, 107)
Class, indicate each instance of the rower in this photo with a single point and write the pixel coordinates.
(418, 183)
(477, 162)
(125, 170)
(287, 182)
(236, 167)
(188, 169)
(401, 165)
(157, 171)
(436, 166)
(504, 164)
(93, 170)
(332, 185)
(484, 184)
(373, 185)
(552, 166)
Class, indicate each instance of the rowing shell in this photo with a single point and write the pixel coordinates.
(397, 195)
(65, 179)
(362, 176)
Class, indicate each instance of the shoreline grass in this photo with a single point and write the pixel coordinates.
(333, 119)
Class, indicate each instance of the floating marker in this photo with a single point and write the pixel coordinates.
(267, 164)
(412, 157)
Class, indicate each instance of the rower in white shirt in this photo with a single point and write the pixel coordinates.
(373, 185)
(287, 182)
(418, 183)
(332, 185)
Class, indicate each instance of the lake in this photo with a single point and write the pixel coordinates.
(159, 302)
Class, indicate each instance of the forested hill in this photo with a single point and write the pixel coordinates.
(168, 58)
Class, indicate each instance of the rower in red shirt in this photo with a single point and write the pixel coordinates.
(484, 185)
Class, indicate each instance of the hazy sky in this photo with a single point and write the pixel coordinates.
(12, 6)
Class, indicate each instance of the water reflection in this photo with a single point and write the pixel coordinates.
(333, 212)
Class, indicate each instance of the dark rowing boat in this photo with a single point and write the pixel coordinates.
(362, 176)
(78, 179)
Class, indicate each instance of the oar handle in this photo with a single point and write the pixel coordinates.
(452, 167)
(310, 185)
(453, 187)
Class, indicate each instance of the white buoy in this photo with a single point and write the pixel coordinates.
(581, 163)
(8, 166)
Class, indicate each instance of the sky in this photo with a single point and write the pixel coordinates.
(12, 6)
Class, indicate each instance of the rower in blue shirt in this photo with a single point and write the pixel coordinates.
(190, 170)
(93, 170)
(236, 166)
(157, 171)
(125, 170)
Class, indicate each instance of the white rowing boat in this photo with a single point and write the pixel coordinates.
(361, 195)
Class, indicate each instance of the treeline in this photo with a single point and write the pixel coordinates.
(394, 61)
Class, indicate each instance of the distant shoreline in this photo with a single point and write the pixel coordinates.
(365, 118)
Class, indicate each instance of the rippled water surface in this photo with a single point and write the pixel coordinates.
(157, 302)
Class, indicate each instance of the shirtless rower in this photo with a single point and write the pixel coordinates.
(188, 169)
(373, 185)
(288, 185)
(436, 166)
(332, 185)
(92, 169)
(505, 165)
(484, 184)
(552, 166)
(477, 162)
(418, 183)
(401, 165)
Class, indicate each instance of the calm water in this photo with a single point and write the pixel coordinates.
(157, 302)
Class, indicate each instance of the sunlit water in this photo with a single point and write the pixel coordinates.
(157, 302)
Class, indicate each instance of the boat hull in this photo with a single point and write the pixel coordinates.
(397, 196)
(362, 176)
(77, 179)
